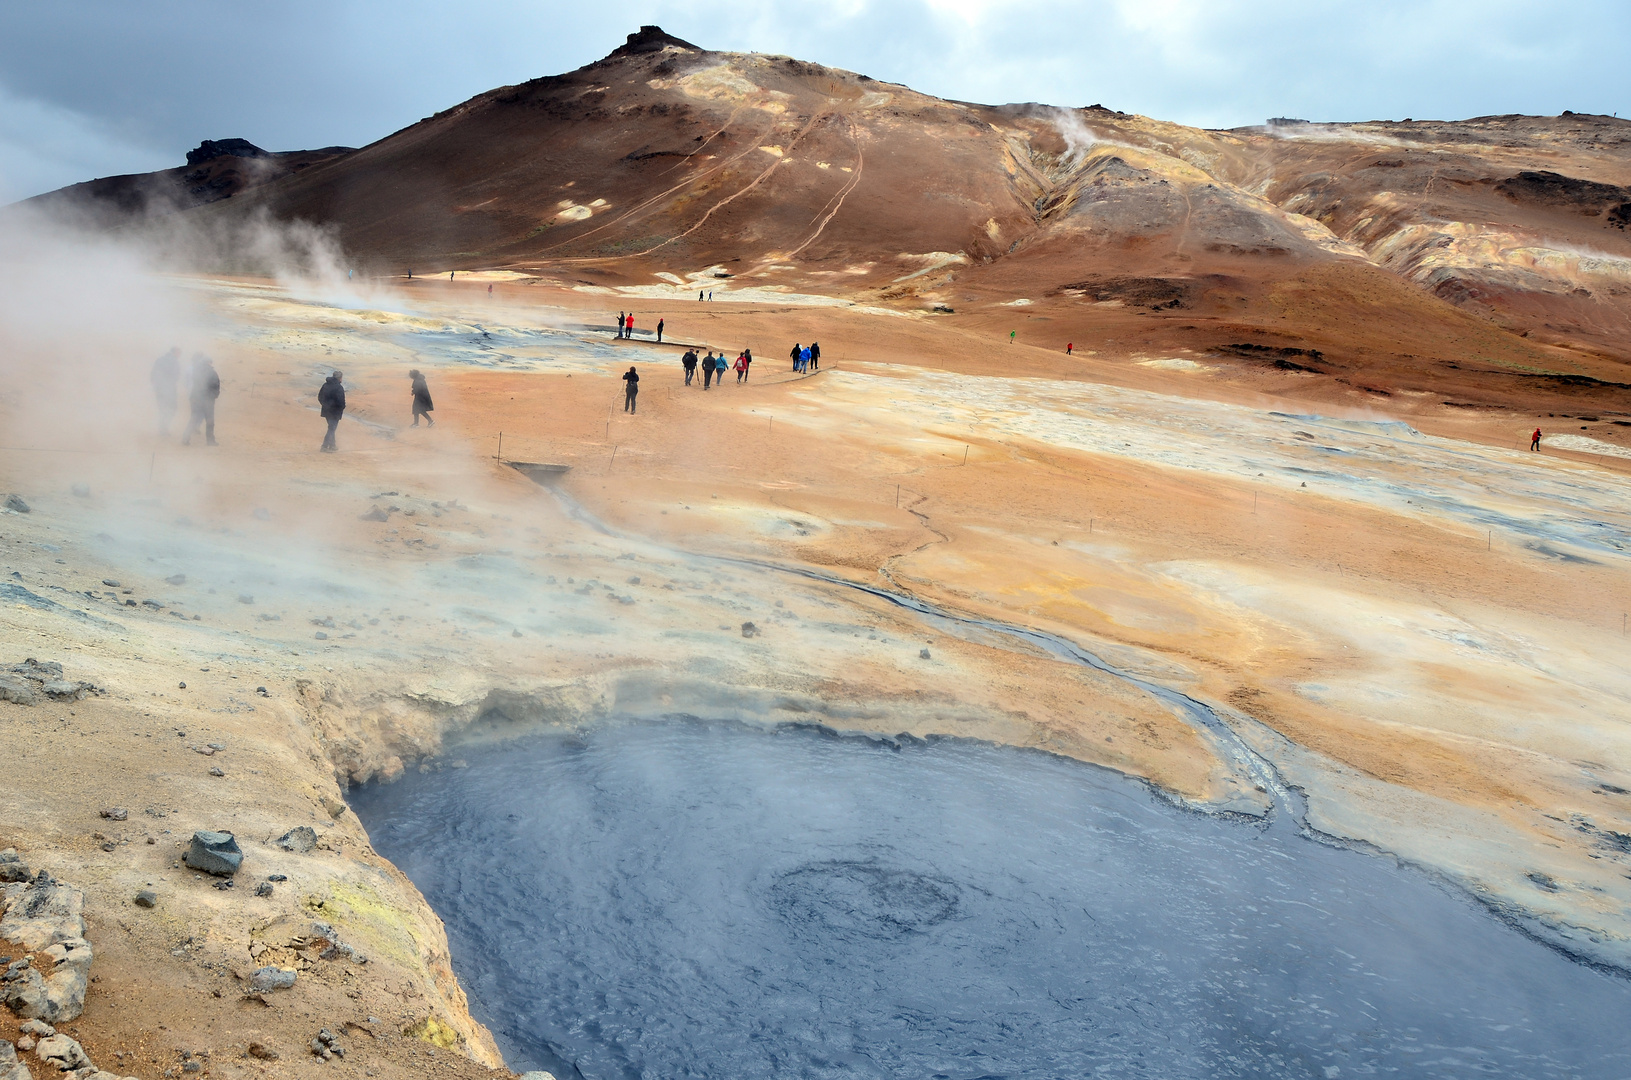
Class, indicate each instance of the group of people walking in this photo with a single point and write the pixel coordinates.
(204, 388)
(714, 367)
(806, 358)
(625, 326)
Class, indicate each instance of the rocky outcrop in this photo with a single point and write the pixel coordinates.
(45, 920)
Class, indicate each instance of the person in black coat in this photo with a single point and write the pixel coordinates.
(631, 383)
(421, 399)
(206, 387)
(689, 362)
(331, 398)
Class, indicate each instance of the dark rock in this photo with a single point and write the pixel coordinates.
(271, 978)
(378, 513)
(277, 877)
(17, 691)
(15, 502)
(147, 898)
(749, 630)
(110, 583)
(923, 654)
(300, 839)
(116, 813)
(215, 770)
(227, 884)
(263, 889)
(262, 1052)
(214, 853)
(210, 149)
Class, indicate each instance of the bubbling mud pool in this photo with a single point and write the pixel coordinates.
(698, 899)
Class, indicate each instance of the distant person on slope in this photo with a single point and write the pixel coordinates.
(1070, 347)
(689, 362)
(628, 326)
(804, 360)
(741, 367)
(421, 399)
(708, 370)
(659, 331)
(815, 356)
(206, 387)
(1011, 334)
(1534, 440)
(165, 377)
(619, 332)
(797, 349)
(631, 385)
(331, 402)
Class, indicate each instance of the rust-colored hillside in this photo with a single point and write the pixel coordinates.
(1480, 262)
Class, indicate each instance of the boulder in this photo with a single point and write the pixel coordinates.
(42, 912)
(65, 1053)
(300, 839)
(271, 978)
(214, 853)
(17, 691)
(15, 502)
(10, 1067)
(13, 869)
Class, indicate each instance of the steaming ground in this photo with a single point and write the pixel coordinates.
(1426, 638)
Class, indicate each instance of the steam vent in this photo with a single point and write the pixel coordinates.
(713, 565)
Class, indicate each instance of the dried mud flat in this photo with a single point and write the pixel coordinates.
(1407, 618)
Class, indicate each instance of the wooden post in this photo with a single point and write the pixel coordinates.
(897, 496)
(965, 453)
(500, 446)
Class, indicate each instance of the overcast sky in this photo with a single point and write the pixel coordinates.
(97, 87)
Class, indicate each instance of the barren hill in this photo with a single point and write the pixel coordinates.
(1486, 258)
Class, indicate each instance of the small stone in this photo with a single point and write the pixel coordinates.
(39, 1028)
(215, 770)
(300, 839)
(110, 583)
(224, 885)
(270, 978)
(17, 691)
(15, 502)
(923, 654)
(376, 514)
(192, 1067)
(214, 853)
(277, 877)
(183, 686)
(263, 889)
(26, 1043)
(147, 898)
(116, 813)
(334, 806)
(110, 846)
(65, 1053)
(320, 636)
(262, 1052)
(261, 690)
(749, 630)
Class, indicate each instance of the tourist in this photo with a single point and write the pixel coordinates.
(165, 377)
(659, 331)
(421, 399)
(708, 370)
(631, 382)
(206, 387)
(689, 361)
(1534, 440)
(804, 360)
(1011, 334)
(331, 402)
(1070, 347)
(815, 356)
(797, 349)
(619, 324)
(741, 367)
(628, 327)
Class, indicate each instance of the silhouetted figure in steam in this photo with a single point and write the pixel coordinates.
(205, 388)
(166, 374)
(631, 388)
(689, 362)
(331, 400)
(421, 399)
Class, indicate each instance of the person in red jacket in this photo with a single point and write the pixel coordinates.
(628, 326)
(1070, 347)
(1534, 440)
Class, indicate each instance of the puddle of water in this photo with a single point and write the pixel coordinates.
(709, 900)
